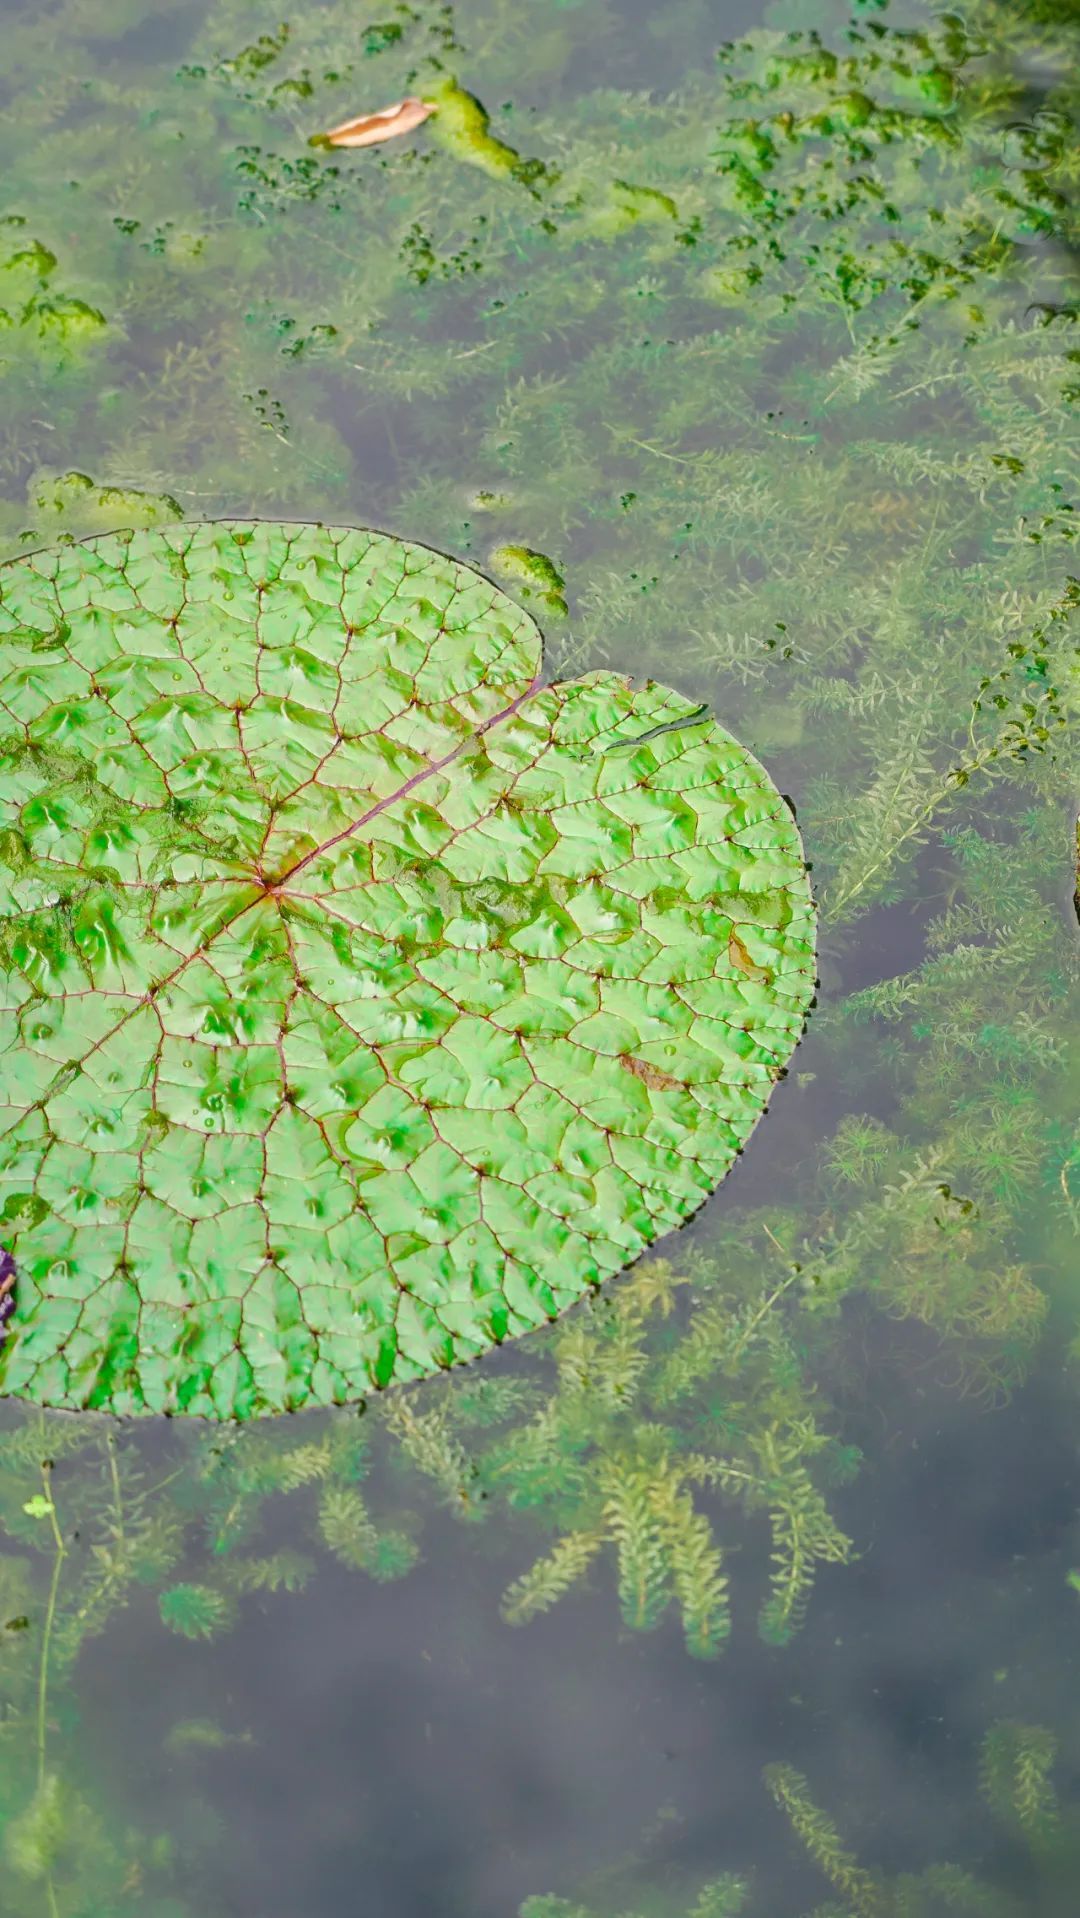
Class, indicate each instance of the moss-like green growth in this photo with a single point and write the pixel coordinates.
(42, 315)
(28, 257)
(68, 321)
(463, 126)
(623, 206)
(75, 496)
(537, 575)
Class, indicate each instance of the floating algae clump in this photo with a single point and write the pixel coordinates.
(57, 494)
(539, 577)
(463, 126)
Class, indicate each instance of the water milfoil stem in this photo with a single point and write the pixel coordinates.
(50, 1615)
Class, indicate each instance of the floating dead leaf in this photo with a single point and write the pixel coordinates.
(372, 128)
(741, 959)
(651, 1076)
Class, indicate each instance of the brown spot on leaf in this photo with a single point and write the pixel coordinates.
(651, 1076)
(741, 959)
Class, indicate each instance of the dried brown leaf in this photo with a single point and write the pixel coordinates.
(370, 129)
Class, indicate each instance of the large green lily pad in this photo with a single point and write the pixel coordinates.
(364, 1002)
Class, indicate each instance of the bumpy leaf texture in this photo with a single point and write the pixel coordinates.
(364, 1001)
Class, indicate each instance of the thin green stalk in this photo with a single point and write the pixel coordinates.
(118, 1502)
(50, 1615)
(959, 775)
(43, 1669)
(762, 1312)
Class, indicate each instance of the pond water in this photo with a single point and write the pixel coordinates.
(751, 1586)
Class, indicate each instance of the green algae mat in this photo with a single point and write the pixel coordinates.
(364, 1000)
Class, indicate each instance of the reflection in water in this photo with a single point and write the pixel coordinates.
(772, 367)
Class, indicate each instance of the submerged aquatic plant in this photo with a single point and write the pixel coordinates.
(1015, 1765)
(67, 1846)
(774, 360)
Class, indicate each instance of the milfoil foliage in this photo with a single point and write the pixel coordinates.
(1015, 1766)
(1016, 1763)
(803, 451)
(365, 1001)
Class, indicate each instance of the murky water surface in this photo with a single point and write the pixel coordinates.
(750, 1587)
